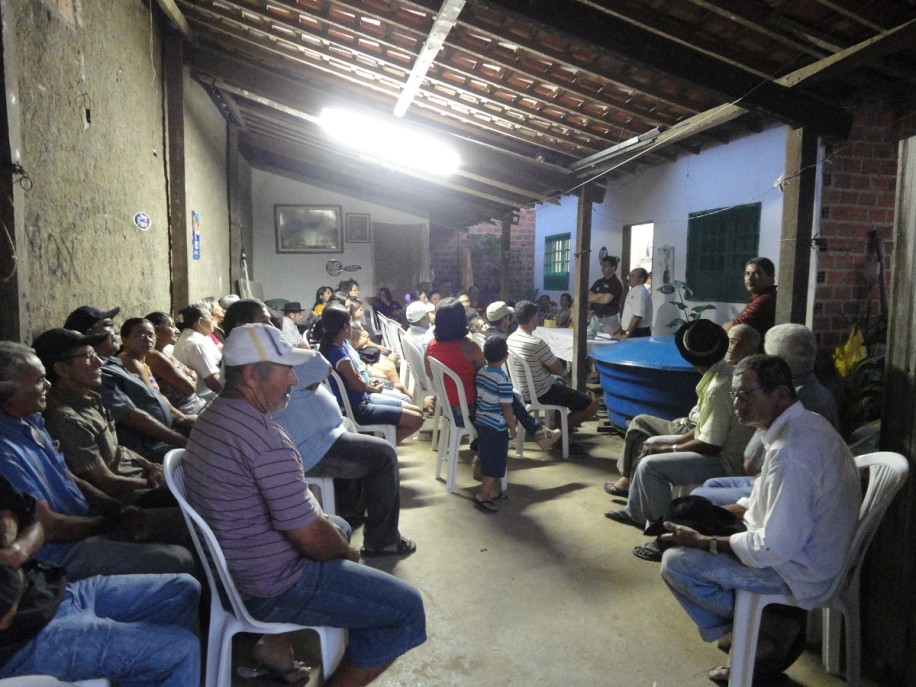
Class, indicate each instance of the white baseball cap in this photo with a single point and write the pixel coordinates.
(417, 310)
(261, 343)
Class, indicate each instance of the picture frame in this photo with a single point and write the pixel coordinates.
(309, 228)
(359, 228)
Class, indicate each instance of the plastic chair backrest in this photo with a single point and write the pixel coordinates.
(342, 396)
(440, 373)
(414, 358)
(208, 550)
(522, 377)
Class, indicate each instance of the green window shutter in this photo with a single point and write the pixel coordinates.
(719, 244)
(556, 262)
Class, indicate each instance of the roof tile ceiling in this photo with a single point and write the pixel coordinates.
(526, 90)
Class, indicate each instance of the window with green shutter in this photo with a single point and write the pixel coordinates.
(556, 262)
(719, 244)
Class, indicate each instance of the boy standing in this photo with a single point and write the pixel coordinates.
(495, 423)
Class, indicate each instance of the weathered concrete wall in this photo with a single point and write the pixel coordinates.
(92, 144)
(207, 194)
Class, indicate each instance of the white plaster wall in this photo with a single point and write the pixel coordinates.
(296, 277)
(743, 171)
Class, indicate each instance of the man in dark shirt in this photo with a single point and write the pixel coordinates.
(604, 298)
(760, 311)
(136, 629)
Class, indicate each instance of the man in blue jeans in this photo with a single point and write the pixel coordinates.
(135, 630)
(290, 561)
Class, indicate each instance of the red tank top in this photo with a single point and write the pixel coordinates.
(449, 354)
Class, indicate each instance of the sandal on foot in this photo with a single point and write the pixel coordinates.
(501, 496)
(612, 489)
(486, 505)
(620, 515)
(648, 551)
(263, 672)
(404, 547)
(719, 674)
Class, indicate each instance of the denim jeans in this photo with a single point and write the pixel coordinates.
(136, 630)
(705, 584)
(374, 462)
(384, 615)
(724, 491)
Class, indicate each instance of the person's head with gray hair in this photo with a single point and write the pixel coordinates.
(795, 344)
(228, 300)
(15, 361)
(743, 340)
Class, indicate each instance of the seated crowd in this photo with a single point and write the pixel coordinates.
(256, 395)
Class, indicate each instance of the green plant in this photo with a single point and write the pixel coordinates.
(864, 390)
(689, 314)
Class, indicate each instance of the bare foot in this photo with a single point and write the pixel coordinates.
(276, 652)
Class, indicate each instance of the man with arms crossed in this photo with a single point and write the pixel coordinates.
(290, 561)
(637, 308)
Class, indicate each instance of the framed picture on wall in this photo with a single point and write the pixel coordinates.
(309, 228)
(359, 230)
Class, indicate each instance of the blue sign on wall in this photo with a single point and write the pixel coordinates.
(195, 234)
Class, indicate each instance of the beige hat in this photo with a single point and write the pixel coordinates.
(498, 310)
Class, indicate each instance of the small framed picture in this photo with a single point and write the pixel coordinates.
(359, 230)
(308, 228)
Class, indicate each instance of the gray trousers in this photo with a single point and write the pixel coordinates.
(374, 462)
(641, 428)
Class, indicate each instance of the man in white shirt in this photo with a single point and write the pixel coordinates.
(800, 519)
(420, 332)
(292, 316)
(637, 308)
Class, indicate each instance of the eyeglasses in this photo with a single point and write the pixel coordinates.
(742, 396)
(88, 357)
(143, 335)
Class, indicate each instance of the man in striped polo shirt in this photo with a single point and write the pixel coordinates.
(290, 561)
(544, 364)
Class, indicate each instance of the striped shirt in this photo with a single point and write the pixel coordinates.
(538, 355)
(493, 390)
(245, 478)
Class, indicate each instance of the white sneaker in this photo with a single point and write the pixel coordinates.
(546, 438)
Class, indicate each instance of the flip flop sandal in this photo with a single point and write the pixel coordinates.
(263, 672)
(612, 489)
(648, 551)
(485, 505)
(621, 516)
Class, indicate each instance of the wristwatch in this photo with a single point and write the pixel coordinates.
(713, 546)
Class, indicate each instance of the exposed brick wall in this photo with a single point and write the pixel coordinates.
(860, 176)
(445, 247)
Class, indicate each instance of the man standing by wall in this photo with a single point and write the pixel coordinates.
(604, 297)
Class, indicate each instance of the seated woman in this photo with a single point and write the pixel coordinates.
(370, 406)
(322, 296)
(196, 350)
(386, 305)
(380, 361)
(564, 317)
(177, 381)
(137, 341)
(218, 336)
(547, 309)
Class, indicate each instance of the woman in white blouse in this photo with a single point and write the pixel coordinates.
(196, 349)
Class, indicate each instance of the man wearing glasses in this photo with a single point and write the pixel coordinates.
(142, 417)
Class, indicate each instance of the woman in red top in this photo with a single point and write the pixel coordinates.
(452, 347)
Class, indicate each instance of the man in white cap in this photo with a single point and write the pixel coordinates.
(500, 317)
(290, 561)
(420, 332)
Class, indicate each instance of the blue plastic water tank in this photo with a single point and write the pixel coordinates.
(646, 375)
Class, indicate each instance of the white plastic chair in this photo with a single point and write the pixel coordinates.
(224, 624)
(521, 372)
(887, 473)
(451, 434)
(422, 384)
(387, 432)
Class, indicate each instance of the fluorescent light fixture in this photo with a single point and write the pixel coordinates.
(390, 144)
(618, 149)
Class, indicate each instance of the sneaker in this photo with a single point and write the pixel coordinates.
(546, 438)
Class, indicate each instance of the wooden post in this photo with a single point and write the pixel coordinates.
(505, 265)
(797, 220)
(580, 288)
(235, 221)
(173, 77)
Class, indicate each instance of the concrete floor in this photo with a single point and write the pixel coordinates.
(546, 592)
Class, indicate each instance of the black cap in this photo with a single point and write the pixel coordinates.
(57, 344)
(701, 342)
(293, 306)
(84, 317)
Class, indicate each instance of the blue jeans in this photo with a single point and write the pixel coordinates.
(374, 462)
(705, 584)
(384, 615)
(724, 491)
(136, 630)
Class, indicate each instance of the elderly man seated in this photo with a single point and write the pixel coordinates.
(133, 629)
(795, 344)
(142, 417)
(84, 428)
(313, 420)
(104, 538)
(714, 448)
(800, 519)
(647, 434)
(420, 331)
(291, 562)
(544, 364)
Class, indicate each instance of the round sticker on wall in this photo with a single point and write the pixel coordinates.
(142, 221)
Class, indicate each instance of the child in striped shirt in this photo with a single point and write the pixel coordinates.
(495, 423)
